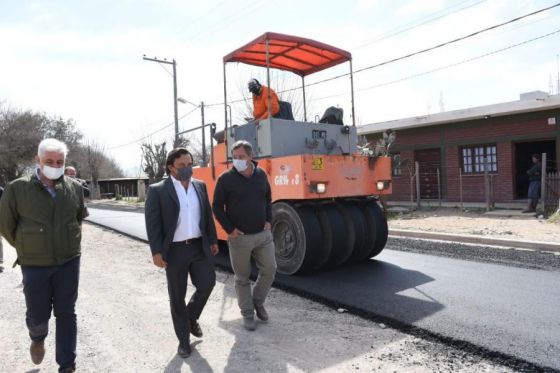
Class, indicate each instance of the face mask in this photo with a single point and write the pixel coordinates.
(184, 173)
(52, 173)
(240, 164)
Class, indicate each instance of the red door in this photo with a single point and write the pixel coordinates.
(429, 161)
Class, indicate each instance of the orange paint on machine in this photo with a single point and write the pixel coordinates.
(326, 193)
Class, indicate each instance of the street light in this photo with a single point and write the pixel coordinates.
(201, 106)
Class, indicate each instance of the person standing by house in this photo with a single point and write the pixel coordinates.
(261, 101)
(41, 216)
(534, 174)
(242, 205)
(182, 238)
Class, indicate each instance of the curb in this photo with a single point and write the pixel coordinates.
(463, 238)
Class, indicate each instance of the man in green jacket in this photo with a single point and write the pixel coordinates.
(41, 216)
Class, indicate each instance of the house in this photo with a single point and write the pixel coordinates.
(456, 149)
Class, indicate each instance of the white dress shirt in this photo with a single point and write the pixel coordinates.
(189, 214)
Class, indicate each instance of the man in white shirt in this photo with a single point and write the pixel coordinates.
(182, 239)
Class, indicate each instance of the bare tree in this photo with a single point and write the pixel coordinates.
(94, 158)
(20, 134)
(153, 160)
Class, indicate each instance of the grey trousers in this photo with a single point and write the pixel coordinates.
(260, 247)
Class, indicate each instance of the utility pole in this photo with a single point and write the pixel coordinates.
(176, 114)
(204, 159)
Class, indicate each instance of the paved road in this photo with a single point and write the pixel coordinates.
(510, 310)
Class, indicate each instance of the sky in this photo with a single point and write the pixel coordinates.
(83, 60)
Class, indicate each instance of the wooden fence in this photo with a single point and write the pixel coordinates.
(551, 198)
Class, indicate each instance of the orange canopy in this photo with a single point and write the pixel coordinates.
(298, 55)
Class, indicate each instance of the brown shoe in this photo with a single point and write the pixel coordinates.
(195, 328)
(67, 370)
(37, 352)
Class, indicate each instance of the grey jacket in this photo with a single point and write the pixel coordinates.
(162, 214)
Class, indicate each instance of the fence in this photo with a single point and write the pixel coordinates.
(551, 195)
(430, 183)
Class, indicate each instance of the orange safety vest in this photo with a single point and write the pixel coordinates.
(260, 104)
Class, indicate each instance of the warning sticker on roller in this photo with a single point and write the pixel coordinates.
(317, 164)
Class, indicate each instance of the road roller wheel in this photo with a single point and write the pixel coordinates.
(338, 240)
(378, 225)
(297, 238)
(360, 226)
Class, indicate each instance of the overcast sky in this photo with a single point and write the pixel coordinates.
(83, 59)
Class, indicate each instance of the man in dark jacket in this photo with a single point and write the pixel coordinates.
(534, 174)
(41, 216)
(242, 205)
(182, 238)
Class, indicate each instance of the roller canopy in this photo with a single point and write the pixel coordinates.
(291, 53)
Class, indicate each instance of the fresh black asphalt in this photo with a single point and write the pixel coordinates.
(506, 313)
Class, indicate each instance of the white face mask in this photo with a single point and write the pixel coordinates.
(52, 173)
(240, 164)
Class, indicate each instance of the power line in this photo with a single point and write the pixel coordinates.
(458, 39)
(152, 133)
(412, 54)
(205, 14)
(445, 67)
(227, 20)
(398, 31)
(437, 46)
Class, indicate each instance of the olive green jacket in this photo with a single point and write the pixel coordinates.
(45, 231)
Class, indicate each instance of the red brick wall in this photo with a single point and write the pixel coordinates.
(503, 132)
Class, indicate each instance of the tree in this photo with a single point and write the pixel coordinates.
(22, 131)
(154, 157)
(20, 134)
(94, 160)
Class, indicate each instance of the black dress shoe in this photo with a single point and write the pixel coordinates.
(195, 328)
(184, 350)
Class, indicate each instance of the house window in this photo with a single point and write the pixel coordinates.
(397, 164)
(475, 158)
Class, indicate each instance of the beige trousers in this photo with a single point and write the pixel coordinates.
(260, 247)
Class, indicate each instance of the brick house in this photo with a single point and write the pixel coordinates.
(456, 147)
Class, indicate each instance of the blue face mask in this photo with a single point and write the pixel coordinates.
(184, 173)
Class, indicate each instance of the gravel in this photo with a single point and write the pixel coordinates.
(124, 325)
(549, 261)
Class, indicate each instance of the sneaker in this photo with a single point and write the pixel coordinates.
(67, 370)
(249, 323)
(261, 313)
(37, 352)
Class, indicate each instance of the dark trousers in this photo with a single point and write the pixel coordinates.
(53, 288)
(184, 259)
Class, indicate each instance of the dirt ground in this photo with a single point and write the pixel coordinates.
(124, 325)
(524, 227)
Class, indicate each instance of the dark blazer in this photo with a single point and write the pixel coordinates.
(162, 214)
